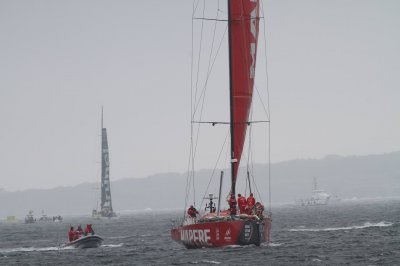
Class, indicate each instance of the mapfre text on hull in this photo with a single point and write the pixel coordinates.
(224, 231)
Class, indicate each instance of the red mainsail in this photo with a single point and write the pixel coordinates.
(243, 22)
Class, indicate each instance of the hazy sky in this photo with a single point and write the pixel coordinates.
(333, 78)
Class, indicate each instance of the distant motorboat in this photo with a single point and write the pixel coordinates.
(45, 218)
(319, 197)
(11, 219)
(29, 219)
(335, 199)
(57, 219)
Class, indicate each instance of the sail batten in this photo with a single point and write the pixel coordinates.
(243, 37)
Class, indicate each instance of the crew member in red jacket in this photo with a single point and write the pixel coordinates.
(71, 234)
(250, 203)
(89, 229)
(192, 212)
(232, 204)
(242, 203)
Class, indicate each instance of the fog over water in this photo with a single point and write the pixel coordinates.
(333, 80)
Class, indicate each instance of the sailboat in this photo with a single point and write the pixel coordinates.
(218, 227)
(106, 209)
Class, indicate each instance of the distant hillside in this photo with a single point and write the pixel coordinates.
(345, 177)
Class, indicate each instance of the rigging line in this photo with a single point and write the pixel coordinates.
(199, 57)
(213, 40)
(268, 105)
(195, 7)
(215, 167)
(189, 173)
(212, 19)
(188, 177)
(253, 179)
(228, 123)
(266, 61)
(269, 168)
(252, 170)
(245, 188)
(249, 138)
(255, 185)
(212, 66)
(224, 20)
(203, 96)
(251, 155)
(193, 110)
(262, 102)
(195, 100)
(250, 142)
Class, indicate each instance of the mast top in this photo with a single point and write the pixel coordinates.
(102, 117)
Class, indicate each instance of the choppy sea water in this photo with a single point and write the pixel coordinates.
(346, 233)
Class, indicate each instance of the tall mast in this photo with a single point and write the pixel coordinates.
(102, 119)
(102, 162)
(233, 161)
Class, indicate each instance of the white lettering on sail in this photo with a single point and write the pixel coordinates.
(198, 237)
(253, 30)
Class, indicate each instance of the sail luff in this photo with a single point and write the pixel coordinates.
(243, 18)
(233, 179)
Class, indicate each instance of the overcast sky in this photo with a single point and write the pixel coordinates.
(333, 79)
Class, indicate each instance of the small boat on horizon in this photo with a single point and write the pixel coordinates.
(57, 219)
(318, 198)
(45, 218)
(11, 219)
(29, 219)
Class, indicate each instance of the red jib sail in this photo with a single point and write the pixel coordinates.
(244, 20)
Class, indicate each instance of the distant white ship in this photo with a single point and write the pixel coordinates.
(319, 197)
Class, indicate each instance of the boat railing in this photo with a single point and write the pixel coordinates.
(229, 218)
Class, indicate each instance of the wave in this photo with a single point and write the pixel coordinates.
(28, 249)
(205, 261)
(33, 249)
(270, 244)
(365, 225)
(113, 246)
(210, 261)
(119, 237)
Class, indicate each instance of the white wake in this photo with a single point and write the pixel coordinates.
(365, 225)
(113, 246)
(28, 249)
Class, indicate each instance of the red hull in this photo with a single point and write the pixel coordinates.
(223, 233)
